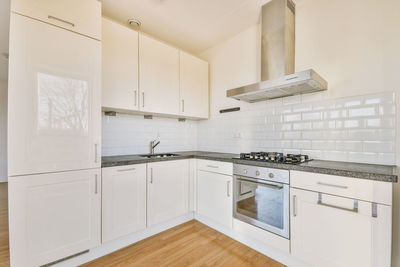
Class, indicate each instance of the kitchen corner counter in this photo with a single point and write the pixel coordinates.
(348, 169)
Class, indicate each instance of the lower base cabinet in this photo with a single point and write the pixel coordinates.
(214, 197)
(167, 190)
(53, 216)
(333, 231)
(123, 200)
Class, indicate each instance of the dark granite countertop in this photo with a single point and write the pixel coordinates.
(348, 169)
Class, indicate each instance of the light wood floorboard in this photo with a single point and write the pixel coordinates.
(4, 248)
(189, 244)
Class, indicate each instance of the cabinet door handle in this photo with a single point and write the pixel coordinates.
(294, 205)
(95, 184)
(95, 153)
(228, 183)
(212, 166)
(354, 209)
(183, 105)
(333, 185)
(126, 170)
(136, 98)
(151, 175)
(143, 99)
(61, 20)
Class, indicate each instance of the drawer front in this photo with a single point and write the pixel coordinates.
(368, 190)
(79, 16)
(215, 166)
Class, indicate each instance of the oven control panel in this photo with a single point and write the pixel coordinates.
(263, 173)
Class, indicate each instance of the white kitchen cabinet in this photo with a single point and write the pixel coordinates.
(79, 16)
(167, 190)
(158, 76)
(214, 197)
(123, 200)
(120, 63)
(53, 216)
(193, 86)
(333, 231)
(54, 102)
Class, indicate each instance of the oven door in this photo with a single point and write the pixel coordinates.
(262, 203)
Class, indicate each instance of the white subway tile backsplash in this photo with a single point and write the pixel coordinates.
(359, 129)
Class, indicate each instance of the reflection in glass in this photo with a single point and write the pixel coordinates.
(63, 104)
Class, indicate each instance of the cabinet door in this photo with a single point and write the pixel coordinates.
(214, 197)
(331, 231)
(193, 86)
(120, 67)
(167, 190)
(124, 200)
(159, 76)
(53, 216)
(54, 99)
(75, 15)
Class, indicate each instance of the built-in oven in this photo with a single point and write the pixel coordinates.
(261, 197)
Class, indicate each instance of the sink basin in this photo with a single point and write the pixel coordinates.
(165, 155)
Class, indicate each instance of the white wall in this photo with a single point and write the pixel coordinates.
(3, 131)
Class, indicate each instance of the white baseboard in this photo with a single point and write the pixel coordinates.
(124, 241)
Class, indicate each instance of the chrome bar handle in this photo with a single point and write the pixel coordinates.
(294, 205)
(354, 209)
(95, 184)
(126, 170)
(333, 185)
(374, 210)
(143, 99)
(61, 20)
(96, 160)
(183, 105)
(212, 166)
(136, 103)
(151, 175)
(228, 183)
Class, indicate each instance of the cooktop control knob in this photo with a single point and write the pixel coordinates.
(271, 175)
(257, 173)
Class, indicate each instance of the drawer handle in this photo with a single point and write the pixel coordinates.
(127, 170)
(333, 185)
(354, 209)
(212, 166)
(61, 20)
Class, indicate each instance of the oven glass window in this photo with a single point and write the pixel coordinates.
(262, 202)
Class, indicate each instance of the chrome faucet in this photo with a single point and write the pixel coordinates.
(153, 144)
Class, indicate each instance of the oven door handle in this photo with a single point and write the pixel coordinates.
(270, 185)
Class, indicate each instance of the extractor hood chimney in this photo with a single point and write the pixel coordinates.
(277, 58)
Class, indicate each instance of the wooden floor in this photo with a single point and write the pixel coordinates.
(190, 244)
(4, 250)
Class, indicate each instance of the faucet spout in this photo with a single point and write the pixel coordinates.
(153, 144)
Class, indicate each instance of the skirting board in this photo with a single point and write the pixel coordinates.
(124, 241)
(112, 246)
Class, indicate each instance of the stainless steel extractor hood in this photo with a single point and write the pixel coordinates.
(277, 59)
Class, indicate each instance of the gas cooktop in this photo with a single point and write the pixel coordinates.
(275, 157)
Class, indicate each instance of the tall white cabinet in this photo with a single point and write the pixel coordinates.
(54, 99)
(54, 126)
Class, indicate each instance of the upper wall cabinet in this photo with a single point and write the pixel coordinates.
(75, 15)
(54, 99)
(120, 67)
(158, 76)
(193, 86)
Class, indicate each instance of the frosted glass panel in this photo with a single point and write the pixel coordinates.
(63, 104)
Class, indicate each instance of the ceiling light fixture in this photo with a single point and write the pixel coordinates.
(134, 22)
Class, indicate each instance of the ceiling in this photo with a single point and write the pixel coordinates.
(4, 30)
(193, 25)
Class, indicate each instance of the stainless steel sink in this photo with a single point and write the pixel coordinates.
(163, 155)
